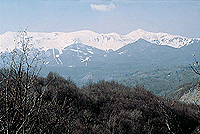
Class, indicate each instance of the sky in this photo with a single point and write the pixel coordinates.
(108, 16)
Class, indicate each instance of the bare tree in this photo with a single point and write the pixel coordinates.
(19, 94)
(195, 65)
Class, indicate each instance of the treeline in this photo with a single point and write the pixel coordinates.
(56, 105)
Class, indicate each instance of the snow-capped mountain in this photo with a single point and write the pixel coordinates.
(113, 41)
(175, 41)
(88, 55)
(87, 48)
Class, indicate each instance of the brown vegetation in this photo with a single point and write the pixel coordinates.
(57, 105)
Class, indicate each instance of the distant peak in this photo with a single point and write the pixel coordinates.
(84, 31)
(140, 30)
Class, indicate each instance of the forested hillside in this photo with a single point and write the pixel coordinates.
(57, 105)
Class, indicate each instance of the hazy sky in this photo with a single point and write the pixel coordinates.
(122, 17)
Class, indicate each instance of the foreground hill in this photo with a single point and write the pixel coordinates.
(192, 95)
(57, 105)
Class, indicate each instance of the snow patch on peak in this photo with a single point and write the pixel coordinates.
(140, 31)
(175, 41)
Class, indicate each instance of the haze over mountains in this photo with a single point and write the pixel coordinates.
(85, 55)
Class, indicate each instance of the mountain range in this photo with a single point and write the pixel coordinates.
(114, 41)
(83, 43)
(87, 55)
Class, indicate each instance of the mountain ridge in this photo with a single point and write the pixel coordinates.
(113, 41)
